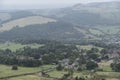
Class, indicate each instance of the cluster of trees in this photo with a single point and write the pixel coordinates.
(10, 60)
(36, 41)
(115, 67)
(51, 53)
(30, 57)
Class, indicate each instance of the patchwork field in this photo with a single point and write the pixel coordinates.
(57, 74)
(6, 71)
(4, 16)
(15, 46)
(88, 47)
(22, 22)
(108, 29)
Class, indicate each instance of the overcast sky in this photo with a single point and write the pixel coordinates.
(12, 4)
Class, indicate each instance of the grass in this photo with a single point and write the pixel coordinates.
(57, 74)
(105, 65)
(88, 47)
(107, 72)
(6, 70)
(81, 74)
(115, 75)
(22, 22)
(107, 75)
(112, 79)
(109, 29)
(96, 32)
(4, 16)
(105, 68)
(14, 46)
(30, 77)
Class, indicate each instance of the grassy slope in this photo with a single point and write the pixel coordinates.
(5, 16)
(22, 22)
(108, 29)
(96, 32)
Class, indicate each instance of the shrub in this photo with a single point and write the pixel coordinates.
(14, 67)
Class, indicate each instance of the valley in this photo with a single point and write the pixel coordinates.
(79, 42)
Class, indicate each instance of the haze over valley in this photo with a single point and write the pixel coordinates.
(60, 40)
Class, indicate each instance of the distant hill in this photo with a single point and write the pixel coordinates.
(22, 22)
(92, 14)
(51, 30)
(82, 22)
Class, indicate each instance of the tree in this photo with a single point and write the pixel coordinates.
(93, 56)
(91, 65)
(14, 67)
(79, 69)
(76, 78)
(95, 50)
(59, 67)
(115, 67)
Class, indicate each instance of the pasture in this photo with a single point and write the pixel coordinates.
(88, 47)
(15, 46)
(6, 70)
(22, 22)
(29, 77)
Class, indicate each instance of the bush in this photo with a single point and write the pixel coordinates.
(14, 67)
(59, 68)
(79, 69)
(115, 67)
(98, 69)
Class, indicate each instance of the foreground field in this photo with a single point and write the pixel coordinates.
(30, 77)
(6, 70)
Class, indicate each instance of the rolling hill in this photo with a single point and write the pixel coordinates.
(92, 14)
(93, 21)
(22, 22)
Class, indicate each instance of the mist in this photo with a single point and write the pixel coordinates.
(43, 4)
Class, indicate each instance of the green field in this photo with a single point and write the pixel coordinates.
(4, 16)
(57, 74)
(87, 47)
(6, 70)
(109, 29)
(29, 77)
(96, 32)
(115, 75)
(15, 46)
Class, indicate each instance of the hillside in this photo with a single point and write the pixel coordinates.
(92, 14)
(22, 22)
(53, 30)
(81, 22)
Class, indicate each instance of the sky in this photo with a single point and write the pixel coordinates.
(14, 4)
